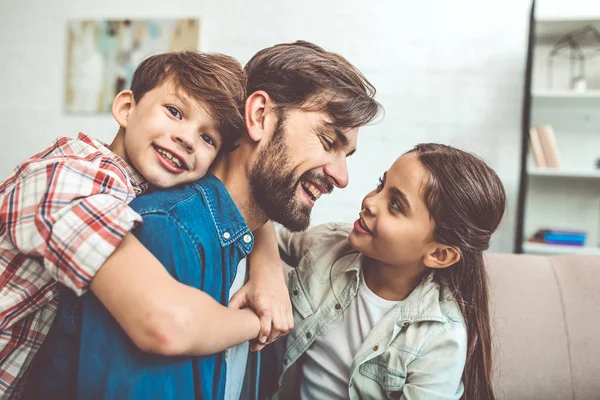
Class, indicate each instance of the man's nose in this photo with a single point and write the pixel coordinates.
(337, 171)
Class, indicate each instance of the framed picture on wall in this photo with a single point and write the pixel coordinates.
(103, 54)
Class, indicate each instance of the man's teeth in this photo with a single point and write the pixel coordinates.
(176, 161)
(312, 189)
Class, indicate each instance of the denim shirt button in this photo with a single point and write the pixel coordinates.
(375, 348)
(247, 239)
(308, 335)
(338, 306)
(295, 293)
(226, 235)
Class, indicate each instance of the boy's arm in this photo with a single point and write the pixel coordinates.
(266, 291)
(160, 314)
(70, 215)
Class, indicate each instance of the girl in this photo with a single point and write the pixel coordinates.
(396, 306)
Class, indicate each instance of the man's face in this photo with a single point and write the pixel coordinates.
(170, 138)
(305, 157)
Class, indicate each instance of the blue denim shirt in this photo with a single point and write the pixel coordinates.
(198, 234)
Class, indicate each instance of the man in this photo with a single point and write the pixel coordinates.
(303, 112)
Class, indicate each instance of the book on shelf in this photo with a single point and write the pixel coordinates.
(549, 145)
(562, 237)
(535, 147)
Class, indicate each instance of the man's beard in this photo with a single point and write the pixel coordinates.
(274, 185)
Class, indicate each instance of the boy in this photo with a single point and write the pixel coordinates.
(65, 210)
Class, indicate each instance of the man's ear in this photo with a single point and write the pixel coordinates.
(121, 106)
(258, 104)
(441, 256)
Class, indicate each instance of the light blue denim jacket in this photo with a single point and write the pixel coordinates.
(417, 351)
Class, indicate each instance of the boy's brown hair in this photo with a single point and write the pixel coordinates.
(215, 80)
(304, 75)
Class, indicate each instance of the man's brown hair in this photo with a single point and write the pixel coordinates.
(215, 80)
(304, 75)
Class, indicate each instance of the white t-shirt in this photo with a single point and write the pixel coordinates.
(326, 370)
(236, 357)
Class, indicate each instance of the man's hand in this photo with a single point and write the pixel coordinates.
(267, 294)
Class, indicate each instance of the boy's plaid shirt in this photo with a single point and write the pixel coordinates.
(62, 213)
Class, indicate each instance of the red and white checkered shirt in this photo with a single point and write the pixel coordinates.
(62, 213)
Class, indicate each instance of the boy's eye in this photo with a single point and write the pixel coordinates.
(174, 112)
(208, 140)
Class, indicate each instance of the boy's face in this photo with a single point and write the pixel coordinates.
(169, 137)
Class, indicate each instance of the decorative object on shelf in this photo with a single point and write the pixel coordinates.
(103, 54)
(576, 47)
(535, 147)
(544, 147)
(559, 237)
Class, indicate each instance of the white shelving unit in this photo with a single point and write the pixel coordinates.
(546, 249)
(563, 173)
(566, 198)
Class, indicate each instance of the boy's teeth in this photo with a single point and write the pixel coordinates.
(312, 189)
(170, 157)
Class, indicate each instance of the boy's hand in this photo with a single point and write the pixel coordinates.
(267, 294)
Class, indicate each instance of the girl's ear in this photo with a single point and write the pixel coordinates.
(121, 106)
(258, 105)
(441, 256)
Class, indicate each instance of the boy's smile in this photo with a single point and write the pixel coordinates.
(171, 160)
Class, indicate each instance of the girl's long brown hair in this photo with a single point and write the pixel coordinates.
(466, 200)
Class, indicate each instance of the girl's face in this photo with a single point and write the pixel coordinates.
(394, 225)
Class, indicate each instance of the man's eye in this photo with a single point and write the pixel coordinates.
(208, 139)
(327, 145)
(174, 112)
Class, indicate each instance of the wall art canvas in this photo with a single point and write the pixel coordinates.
(102, 56)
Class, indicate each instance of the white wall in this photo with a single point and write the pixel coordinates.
(448, 71)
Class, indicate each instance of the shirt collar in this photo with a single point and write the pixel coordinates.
(139, 183)
(422, 304)
(229, 223)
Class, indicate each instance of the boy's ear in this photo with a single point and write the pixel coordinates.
(121, 106)
(441, 256)
(258, 105)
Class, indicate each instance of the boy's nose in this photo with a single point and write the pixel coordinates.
(184, 140)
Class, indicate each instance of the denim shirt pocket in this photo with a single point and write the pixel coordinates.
(300, 300)
(390, 381)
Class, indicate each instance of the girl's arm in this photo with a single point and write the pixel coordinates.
(266, 291)
(160, 314)
(437, 372)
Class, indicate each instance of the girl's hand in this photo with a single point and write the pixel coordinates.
(267, 295)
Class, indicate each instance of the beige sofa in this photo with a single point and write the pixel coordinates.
(546, 321)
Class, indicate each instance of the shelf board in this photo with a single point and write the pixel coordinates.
(590, 98)
(547, 249)
(564, 173)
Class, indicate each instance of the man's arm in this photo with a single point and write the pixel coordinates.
(266, 291)
(160, 314)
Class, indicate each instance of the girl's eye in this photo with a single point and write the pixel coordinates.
(396, 205)
(174, 112)
(208, 140)
(380, 184)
